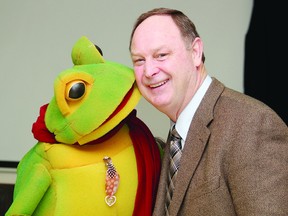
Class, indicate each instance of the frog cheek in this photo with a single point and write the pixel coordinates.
(63, 113)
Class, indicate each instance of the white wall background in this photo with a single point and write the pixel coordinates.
(37, 37)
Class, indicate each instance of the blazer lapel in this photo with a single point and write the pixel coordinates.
(195, 143)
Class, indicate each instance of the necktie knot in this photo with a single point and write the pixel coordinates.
(175, 137)
(175, 133)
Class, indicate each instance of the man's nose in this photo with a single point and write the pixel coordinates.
(150, 69)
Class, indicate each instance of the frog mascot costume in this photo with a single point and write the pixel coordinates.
(93, 155)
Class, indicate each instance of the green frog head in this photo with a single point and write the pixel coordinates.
(91, 98)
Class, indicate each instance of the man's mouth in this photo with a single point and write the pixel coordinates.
(156, 85)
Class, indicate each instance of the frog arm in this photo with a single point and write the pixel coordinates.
(33, 180)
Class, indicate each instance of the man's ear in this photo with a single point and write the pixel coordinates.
(197, 51)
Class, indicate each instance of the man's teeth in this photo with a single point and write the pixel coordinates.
(157, 84)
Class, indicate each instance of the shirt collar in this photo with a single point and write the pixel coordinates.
(185, 118)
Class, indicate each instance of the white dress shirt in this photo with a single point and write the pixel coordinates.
(185, 118)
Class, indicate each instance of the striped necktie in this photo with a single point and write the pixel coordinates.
(175, 155)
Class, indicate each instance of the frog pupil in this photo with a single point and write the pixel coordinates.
(77, 90)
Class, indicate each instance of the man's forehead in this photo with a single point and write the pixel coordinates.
(156, 27)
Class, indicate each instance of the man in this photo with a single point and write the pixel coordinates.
(234, 148)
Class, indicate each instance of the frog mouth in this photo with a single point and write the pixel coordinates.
(127, 105)
(121, 105)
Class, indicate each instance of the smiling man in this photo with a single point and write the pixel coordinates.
(234, 148)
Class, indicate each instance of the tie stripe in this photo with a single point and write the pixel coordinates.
(175, 155)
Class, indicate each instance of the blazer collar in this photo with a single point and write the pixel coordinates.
(196, 141)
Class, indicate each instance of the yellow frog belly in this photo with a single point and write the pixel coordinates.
(79, 173)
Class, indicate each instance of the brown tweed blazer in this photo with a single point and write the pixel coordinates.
(234, 162)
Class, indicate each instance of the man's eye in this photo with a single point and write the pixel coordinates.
(161, 56)
(138, 61)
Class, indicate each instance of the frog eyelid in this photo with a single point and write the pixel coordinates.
(75, 90)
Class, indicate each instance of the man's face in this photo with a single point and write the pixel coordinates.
(162, 63)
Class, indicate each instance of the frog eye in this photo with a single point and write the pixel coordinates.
(75, 90)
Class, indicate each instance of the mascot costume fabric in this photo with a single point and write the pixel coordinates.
(93, 156)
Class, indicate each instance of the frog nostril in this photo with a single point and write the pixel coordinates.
(75, 90)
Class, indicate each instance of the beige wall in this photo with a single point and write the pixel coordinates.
(37, 36)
